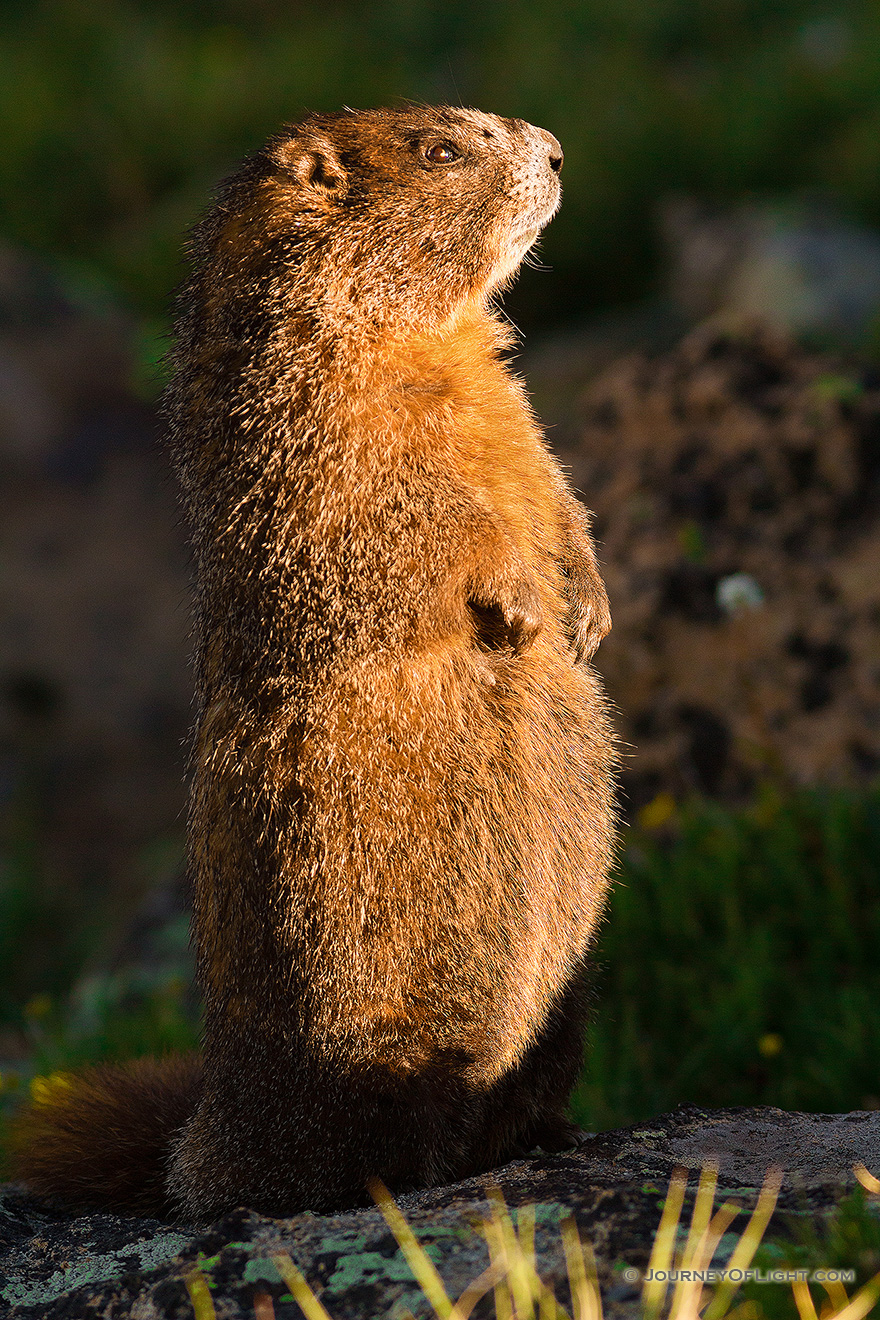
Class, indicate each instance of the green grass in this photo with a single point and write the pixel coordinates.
(118, 118)
(44, 935)
(59, 1004)
(739, 962)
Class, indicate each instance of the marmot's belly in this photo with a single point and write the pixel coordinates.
(457, 845)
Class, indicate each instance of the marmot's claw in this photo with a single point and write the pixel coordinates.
(589, 630)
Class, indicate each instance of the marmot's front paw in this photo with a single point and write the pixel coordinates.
(523, 616)
(590, 613)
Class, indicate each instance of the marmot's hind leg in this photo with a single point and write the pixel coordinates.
(529, 1105)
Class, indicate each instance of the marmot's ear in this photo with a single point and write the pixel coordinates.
(316, 165)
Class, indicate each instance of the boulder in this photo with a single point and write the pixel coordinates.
(57, 1267)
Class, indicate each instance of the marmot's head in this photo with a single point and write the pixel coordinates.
(400, 216)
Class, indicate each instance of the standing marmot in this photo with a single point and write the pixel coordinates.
(402, 812)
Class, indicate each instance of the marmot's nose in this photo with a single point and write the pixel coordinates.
(554, 149)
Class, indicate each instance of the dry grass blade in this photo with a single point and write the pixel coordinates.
(416, 1257)
(500, 1254)
(593, 1277)
(701, 1214)
(863, 1303)
(302, 1293)
(503, 1302)
(868, 1181)
(498, 1257)
(688, 1307)
(481, 1285)
(525, 1232)
(517, 1265)
(836, 1295)
(586, 1300)
(687, 1291)
(548, 1306)
(803, 1300)
(200, 1296)
(654, 1290)
(748, 1243)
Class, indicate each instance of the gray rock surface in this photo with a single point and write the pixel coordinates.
(54, 1267)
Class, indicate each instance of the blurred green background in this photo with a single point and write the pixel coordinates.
(738, 963)
(118, 118)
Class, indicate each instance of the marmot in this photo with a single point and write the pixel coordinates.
(402, 814)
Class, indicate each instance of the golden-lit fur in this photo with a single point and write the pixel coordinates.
(402, 815)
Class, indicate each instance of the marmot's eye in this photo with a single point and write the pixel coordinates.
(443, 153)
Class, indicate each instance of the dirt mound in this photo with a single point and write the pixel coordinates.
(735, 484)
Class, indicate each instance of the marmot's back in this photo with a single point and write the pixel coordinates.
(402, 804)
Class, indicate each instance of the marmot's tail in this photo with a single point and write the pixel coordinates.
(100, 1139)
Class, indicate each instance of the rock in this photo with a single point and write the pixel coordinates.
(54, 1267)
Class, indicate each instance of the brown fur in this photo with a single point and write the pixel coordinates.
(99, 1138)
(401, 819)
